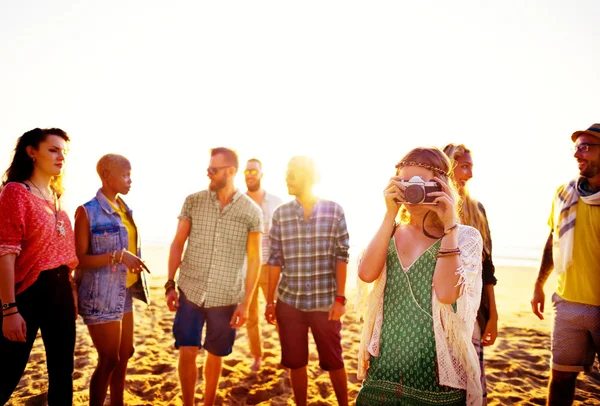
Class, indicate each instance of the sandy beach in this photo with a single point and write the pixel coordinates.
(517, 366)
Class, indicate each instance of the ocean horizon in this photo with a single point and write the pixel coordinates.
(155, 251)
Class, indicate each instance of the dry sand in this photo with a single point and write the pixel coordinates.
(517, 366)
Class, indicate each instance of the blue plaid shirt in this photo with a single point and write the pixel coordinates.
(307, 252)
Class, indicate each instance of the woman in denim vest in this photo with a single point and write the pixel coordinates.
(110, 274)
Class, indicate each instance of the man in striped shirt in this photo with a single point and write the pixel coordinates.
(309, 250)
(268, 203)
(572, 250)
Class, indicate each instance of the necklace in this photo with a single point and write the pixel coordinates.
(425, 231)
(59, 224)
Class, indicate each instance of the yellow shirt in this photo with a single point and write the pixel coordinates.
(132, 237)
(580, 283)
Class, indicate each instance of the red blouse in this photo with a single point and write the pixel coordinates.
(28, 229)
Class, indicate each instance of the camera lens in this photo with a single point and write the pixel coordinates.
(414, 194)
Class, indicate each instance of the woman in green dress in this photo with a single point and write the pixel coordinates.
(416, 345)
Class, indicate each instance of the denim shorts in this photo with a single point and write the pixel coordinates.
(128, 308)
(189, 322)
(293, 334)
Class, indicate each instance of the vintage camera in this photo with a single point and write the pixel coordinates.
(417, 189)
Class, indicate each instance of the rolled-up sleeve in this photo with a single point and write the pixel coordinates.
(186, 209)
(275, 252)
(342, 239)
(12, 220)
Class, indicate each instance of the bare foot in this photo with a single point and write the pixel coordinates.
(256, 364)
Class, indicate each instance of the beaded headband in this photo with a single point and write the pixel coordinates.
(426, 166)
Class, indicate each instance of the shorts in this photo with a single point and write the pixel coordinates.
(127, 308)
(575, 335)
(293, 334)
(189, 322)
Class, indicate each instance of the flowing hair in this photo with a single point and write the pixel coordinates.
(21, 167)
(435, 160)
(471, 211)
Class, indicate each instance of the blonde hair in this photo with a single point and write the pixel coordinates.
(471, 211)
(435, 160)
(110, 161)
(308, 165)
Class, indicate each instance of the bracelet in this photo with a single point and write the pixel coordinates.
(447, 250)
(6, 306)
(448, 231)
(113, 261)
(10, 314)
(169, 285)
(270, 304)
(447, 254)
(341, 299)
(121, 258)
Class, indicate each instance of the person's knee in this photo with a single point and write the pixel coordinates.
(108, 361)
(130, 352)
(563, 376)
(251, 323)
(188, 354)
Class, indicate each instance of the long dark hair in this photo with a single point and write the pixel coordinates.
(21, 167)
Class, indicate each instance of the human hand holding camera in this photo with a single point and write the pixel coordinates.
(394, 194)
(443, 204)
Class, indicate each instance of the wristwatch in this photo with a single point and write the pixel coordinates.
(341, 299)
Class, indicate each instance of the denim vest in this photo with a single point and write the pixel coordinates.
(101, 290)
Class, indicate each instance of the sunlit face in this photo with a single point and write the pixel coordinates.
(253, 175)
(588, 162)
(119, 178)
(218, 172)
(298, 179)
(463, 171)
(407, 172)
(50, 155)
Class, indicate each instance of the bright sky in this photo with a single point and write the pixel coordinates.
(353, 84)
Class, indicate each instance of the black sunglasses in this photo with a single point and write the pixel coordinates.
(214, 169)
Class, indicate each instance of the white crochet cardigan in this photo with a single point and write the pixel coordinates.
(458, 364)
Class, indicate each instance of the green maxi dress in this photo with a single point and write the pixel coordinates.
(405, 372)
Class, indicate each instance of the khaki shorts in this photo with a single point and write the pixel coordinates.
(575, 336)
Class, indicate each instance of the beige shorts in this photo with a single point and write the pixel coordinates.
(575, 336)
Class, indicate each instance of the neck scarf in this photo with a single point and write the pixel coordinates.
(565, 208)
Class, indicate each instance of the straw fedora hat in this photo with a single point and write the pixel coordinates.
(593, 130)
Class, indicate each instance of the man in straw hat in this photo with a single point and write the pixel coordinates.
(572, 249)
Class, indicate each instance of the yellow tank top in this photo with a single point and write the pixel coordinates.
(581, 281)
(132, 237)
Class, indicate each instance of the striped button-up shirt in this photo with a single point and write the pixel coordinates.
(307, 252)
(212, 270)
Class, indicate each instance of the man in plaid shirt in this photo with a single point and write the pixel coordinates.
(309, 250)
(219, 228)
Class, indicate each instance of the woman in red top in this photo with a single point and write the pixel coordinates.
(37, 254)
